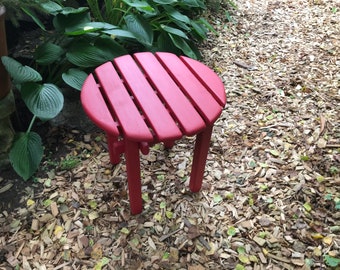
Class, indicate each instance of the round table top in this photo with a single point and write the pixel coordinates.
(149, 97)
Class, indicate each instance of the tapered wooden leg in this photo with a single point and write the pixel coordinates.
(116, 148)
(169, 144)
(133, 175)
(200, 156)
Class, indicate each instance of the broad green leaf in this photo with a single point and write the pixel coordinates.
(174, 31)
(88, 27)
(142, 6)
(199, 30)
(62, 22)
(45, 101)
(84, 54)
(51, 7)
(193, 3)
(119, 33)
(141, 28)
(20, 73)
(48, 53)
(165, 2)
(34, 17)
(176, 14)
(205, 23)
(71, 10)
(110, 47)
(165, 44)
(183, 26)
(26, 154)
(183, 45)
(74, 78)
(137, 4)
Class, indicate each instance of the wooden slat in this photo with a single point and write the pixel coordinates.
(208, 78)
(95, 107)
(158, 117)
(203, 101)
(188, 118)
(128, 116)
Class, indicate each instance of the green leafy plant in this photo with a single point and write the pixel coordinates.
(62, 59)
(163, 25)
(17, 9)
(79, 42)
(45, 101)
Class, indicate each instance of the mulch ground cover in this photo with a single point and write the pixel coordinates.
(271, 194)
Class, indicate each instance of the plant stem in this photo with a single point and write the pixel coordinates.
(31, 124)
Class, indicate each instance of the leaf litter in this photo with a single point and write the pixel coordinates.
(270, 196)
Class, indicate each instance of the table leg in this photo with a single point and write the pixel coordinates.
(133, 176)
(200, 156)
(115, 148)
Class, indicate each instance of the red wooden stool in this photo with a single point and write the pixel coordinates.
(148, 98)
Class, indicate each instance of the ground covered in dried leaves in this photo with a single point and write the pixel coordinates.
(270, 198)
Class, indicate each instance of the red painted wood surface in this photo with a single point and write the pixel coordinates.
(153, 97)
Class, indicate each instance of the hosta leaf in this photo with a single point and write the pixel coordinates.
(176, 14)
(71, 10)
(62, 22)
(141, 28)
(34, 17)
(205, 23)
(174, 31)
(119, 33)
(165, 44)
(165, 2)
(20, 73)
(194, 3)
(139, 4)
(84, 54)
(74, 78)
(45, 101)
(183, 45)
(51, 7)
(26, 154)
(48, 53)
(88, 27)
(200, 31)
